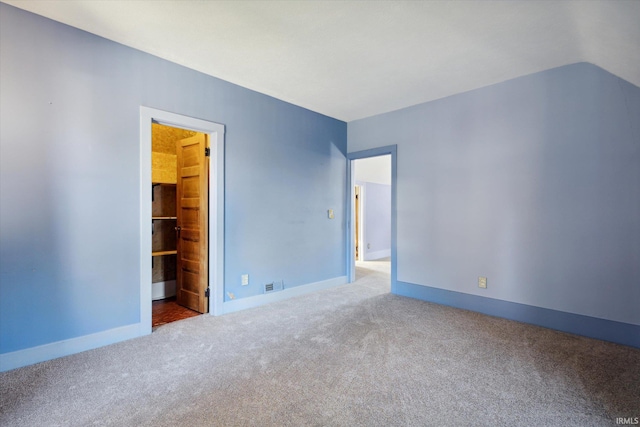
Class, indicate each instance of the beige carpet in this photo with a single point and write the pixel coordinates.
(349, 356)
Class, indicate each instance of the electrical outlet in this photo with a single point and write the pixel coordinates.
(245, 279)
(330, 213)
(482, 282)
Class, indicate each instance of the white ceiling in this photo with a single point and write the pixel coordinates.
(354, 59)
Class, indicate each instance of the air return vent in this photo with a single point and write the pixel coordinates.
(276, 285)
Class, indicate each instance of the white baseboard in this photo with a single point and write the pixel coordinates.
(29, 356)
(372, 256)
(162, 290)
(258, 300)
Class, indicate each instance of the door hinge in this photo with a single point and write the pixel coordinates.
(207, 151)
(206, 293)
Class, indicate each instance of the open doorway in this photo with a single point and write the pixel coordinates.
(187, 214)
(179, 257)
(371, 231)
(372, 211)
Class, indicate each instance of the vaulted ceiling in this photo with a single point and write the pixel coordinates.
(354, 59)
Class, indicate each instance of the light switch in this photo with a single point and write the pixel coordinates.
(330, 213)
(482, 282)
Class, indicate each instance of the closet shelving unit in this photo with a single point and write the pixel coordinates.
(163, 231)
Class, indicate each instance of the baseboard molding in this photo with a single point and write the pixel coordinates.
(29, 356)
(258, 300)
(162, 290)
(607, 330)
(372, 256)
(592, 327)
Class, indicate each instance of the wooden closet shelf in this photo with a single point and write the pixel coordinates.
(163, 217)
(161, 253)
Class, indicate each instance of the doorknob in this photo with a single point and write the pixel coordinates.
(178, 230)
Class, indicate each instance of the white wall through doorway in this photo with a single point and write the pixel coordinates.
(373, 175)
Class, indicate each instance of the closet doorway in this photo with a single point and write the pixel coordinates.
(182, 216)
(179, 222)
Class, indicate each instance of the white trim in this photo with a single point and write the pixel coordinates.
(216, 206)
(29, 356)
(258, 300)
(145, 213)
(351, 220)
(374, 255)
(162, 290)
(216, 229)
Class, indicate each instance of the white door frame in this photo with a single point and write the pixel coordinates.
(216, 206)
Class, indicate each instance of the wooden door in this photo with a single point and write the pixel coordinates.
(192, 222)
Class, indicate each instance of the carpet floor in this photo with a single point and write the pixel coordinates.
(353, 355)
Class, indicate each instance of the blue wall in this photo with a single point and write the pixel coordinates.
(533, 182)
(69, 180)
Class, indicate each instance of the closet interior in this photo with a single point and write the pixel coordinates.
(165, 308)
